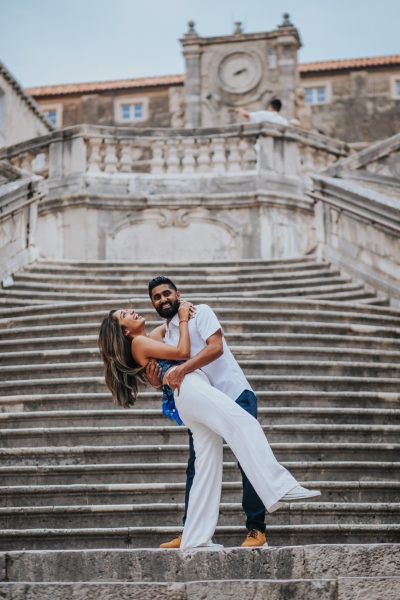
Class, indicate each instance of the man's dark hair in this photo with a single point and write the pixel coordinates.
(159, 281)
(276, 104)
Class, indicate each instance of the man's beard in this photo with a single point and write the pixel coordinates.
(170, 311)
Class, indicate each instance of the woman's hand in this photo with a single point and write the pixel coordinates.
(184, 309)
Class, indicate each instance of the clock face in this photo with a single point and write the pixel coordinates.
(239, 72)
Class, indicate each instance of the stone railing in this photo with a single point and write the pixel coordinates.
(286, 151)
(19, 199)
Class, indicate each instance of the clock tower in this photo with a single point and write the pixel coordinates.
(242, 69)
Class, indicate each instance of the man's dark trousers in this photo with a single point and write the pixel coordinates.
(251, 502)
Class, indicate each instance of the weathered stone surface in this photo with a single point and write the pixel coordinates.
(300, 562)
(371, 588)
(90, 591)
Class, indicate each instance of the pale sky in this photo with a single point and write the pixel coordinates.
(64, 41)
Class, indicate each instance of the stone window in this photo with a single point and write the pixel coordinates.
(130, 109)
(398, 88)
(131, 112)
(51, 115)
(316, 95)
(54, 113)
(2, 110)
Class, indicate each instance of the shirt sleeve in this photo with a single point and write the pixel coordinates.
(260, 115)
(206, 322)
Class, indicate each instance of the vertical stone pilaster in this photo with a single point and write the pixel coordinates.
(192, 89)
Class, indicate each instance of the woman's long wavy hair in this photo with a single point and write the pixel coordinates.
(122, 374)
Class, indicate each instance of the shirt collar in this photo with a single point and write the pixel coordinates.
(174, 321)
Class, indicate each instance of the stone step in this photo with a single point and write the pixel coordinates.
(170, 515)
(348, 453)
(196, 285)
(268, 382)
(303, 287)
(144, 416)
(195, 279)
(312, 589)
(134, 493)
(70, 436)
(238, 313)
(287, 306)
(241, 353)
(170, 472)
(253, 367)
(229, 326)
(143, 537)
(68, 264)
(151, 400)
(338, 344)
(149, 565)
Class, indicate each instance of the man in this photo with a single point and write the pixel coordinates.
(209, 352)
(271, 115)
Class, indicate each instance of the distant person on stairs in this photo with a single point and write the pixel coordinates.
(191, 392)
(261, 116)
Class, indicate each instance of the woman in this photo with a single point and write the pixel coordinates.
(212, 416)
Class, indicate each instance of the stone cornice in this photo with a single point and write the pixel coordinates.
(34, 107)
(358, 201)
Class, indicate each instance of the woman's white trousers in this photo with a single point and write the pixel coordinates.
(212, 417)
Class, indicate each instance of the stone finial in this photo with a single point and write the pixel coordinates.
(191, 31)
(238, 28)
(286, 21)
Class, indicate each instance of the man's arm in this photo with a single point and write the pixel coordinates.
(211, 352)
(153, 370)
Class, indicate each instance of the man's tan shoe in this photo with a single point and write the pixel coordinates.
(255, 539)
(175, 543)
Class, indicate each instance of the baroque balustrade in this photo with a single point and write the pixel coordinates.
(107, 151)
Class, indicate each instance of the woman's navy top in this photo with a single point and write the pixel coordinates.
(168, 401)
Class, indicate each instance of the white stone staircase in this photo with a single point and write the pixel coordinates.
(76, 473)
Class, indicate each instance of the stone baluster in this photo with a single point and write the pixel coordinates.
(219, 158)
(203, 157)
(95, 156)
(41, 163)
(188, 161)
(125, 160)
(25, 161)
(234, 158)
(173, 162)
(157, 161)
(249, 156)
(111, 159)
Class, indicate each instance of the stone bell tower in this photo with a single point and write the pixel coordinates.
(242, 69)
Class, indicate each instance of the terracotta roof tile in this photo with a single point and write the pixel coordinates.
(95, 86)
(144, 82)
(350, 63)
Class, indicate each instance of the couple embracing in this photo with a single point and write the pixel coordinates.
(204, 388)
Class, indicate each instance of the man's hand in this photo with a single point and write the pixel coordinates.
(175, 378)
(242, 112)
(153, 373)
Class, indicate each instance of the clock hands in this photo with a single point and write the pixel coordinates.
(240, 71)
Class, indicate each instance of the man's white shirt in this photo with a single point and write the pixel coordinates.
(270, 116)
(224, 373)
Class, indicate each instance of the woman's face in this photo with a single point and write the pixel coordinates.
(131, 323)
